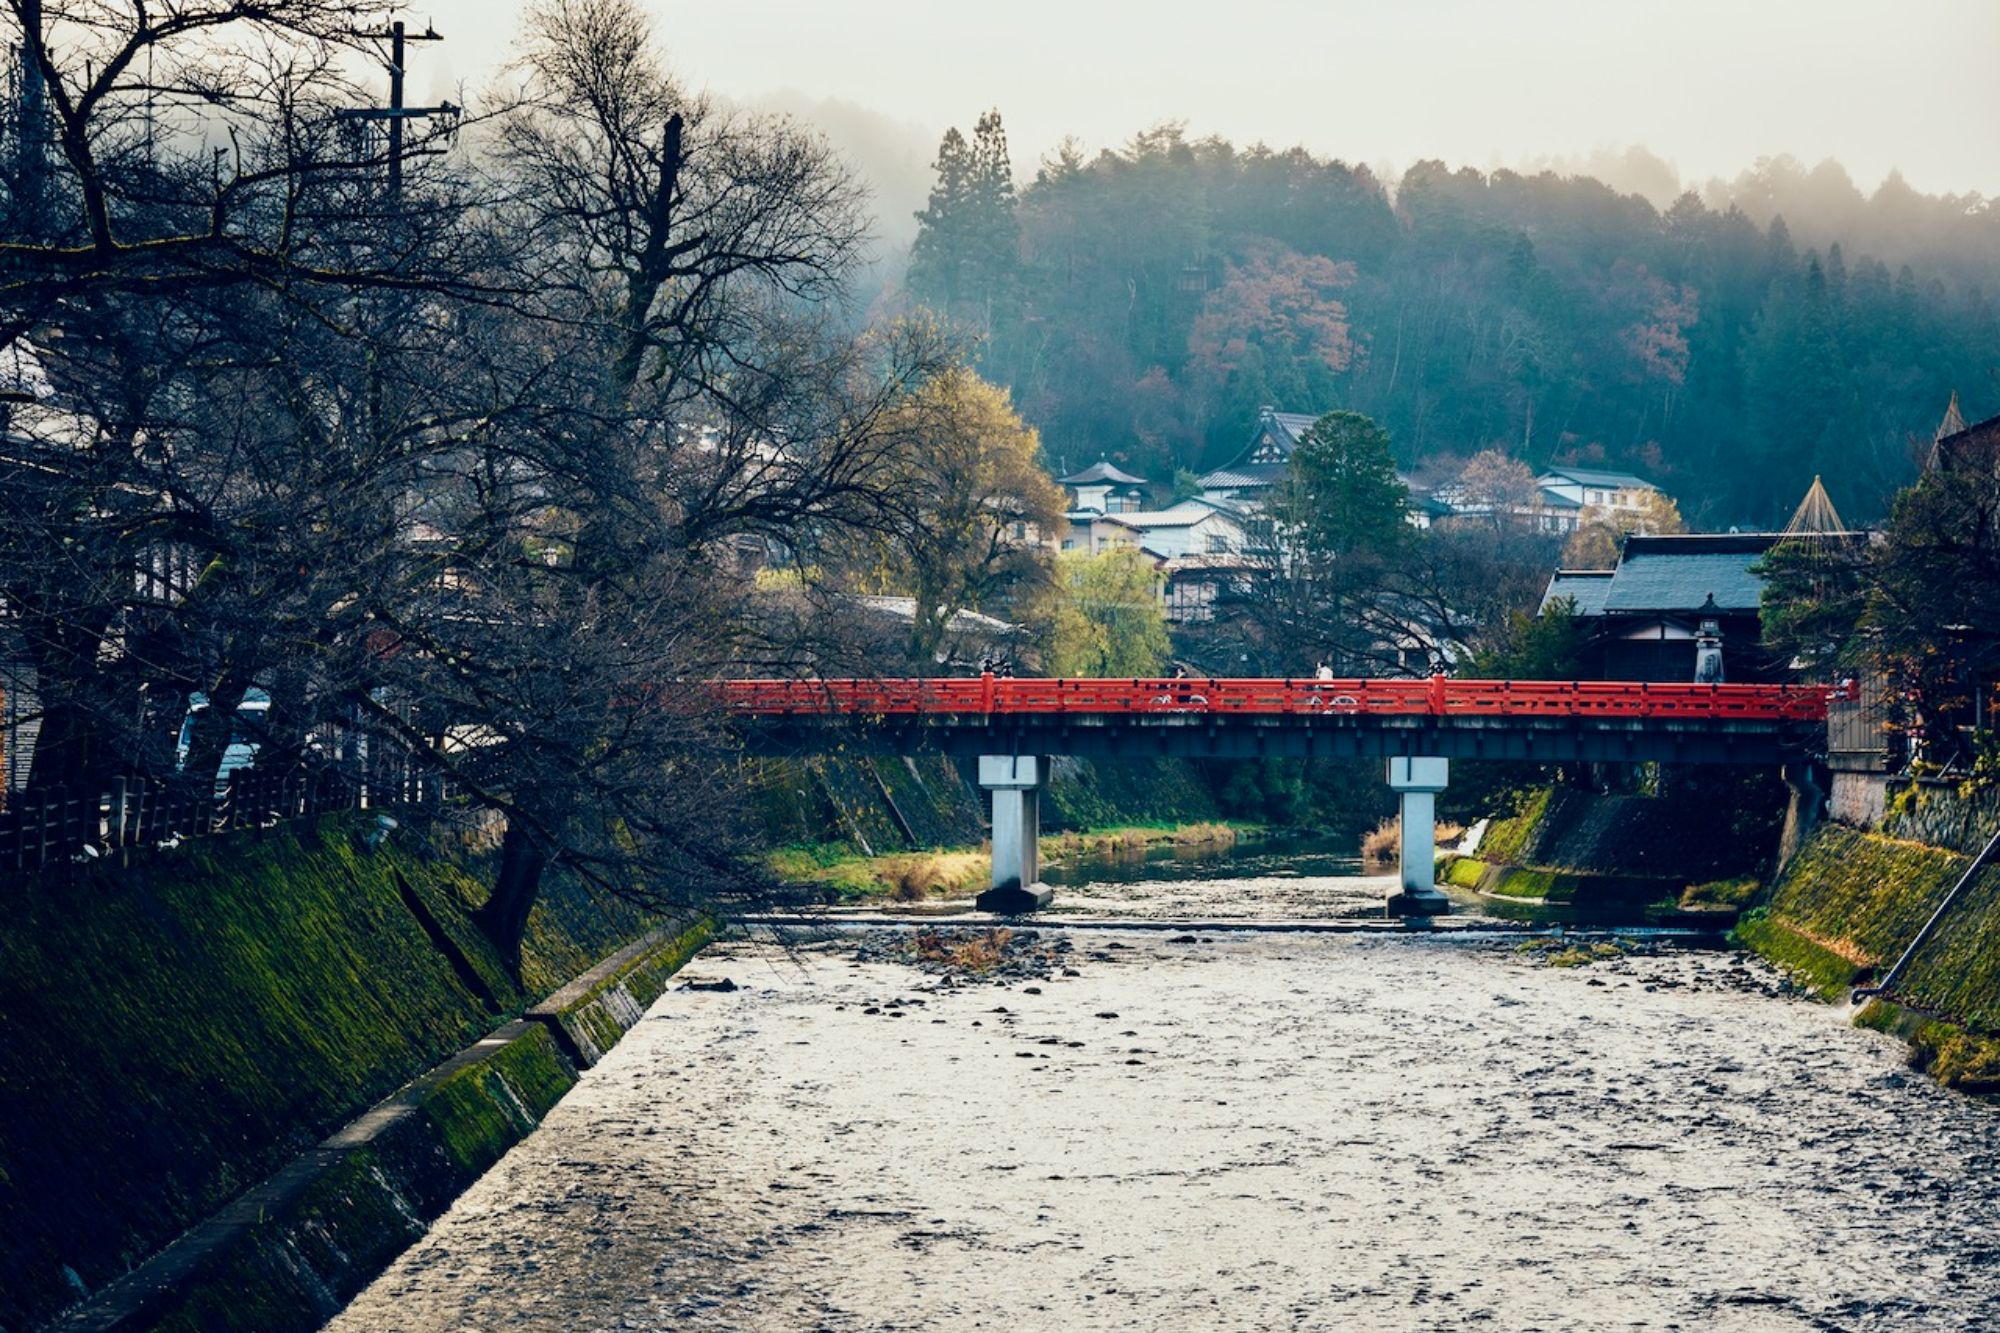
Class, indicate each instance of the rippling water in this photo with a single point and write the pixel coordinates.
(1237, 1131)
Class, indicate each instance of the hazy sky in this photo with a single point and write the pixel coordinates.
(1711, 85)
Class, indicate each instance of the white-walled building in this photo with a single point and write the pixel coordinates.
(1575, 489)
(1104, 488)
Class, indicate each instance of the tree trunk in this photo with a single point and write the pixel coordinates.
(504, 916)
(71, 742)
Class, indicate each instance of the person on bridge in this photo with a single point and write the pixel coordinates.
(1324, 671)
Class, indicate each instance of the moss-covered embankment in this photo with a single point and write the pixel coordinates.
(1847, 906)
(179, 1030)
(1693, 850)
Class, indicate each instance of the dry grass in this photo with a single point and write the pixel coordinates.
(977, 952)
(904, 876)
(1379, 845)
(914, 875)
(1206, 834)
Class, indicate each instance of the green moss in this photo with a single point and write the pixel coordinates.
(1506, 838)
(1463, 872)
(1555, 951)
(1955, 1057)
(1864, 897)
(180, 1029)
(1721, 895)
(1826, 973)
(301, 1263)
(485, 1108)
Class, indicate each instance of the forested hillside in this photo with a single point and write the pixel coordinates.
(1142, 304)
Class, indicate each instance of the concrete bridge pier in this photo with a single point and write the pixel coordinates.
(1418, 781)
(1015, 782)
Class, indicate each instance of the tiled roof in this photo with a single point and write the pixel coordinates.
(1099, 472)
(1243, 476)
(1588, 477)
(1293, 424)
(1585, 587)
(1183, 515)
(1680, 573)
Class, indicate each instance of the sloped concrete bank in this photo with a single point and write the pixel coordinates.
(181, 1030)
(1690, 854)
(292, 1252)
(1836, 914)
(1847, 906)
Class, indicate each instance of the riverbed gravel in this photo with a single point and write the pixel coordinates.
(1229, 1131)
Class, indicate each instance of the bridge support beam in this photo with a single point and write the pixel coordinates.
(1015, 782)
(1418, 781)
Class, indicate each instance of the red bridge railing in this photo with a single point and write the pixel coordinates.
(1436, 696)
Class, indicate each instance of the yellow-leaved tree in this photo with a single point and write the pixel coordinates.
(979, 519)
(1600, 533)
(1107, 619)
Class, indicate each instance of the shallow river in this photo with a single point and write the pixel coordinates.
(1230, 1131)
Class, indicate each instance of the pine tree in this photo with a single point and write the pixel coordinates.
(995, 237)
(937, 255)
(965, 257)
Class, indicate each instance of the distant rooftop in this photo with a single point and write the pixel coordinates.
(1679, 573)
(1099, 473)
(1183, 515)
(1243, 476)
(1585, 587)
(1593, 477)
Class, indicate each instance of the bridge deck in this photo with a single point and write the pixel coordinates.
(1535, 721)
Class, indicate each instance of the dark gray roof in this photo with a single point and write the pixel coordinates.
(1101, 471)
(1589, 477)
(1585, 587)
(1293, 424)
(1243, 476)
(1680, 573)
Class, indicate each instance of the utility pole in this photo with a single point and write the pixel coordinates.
(32, 127)
(396, 113)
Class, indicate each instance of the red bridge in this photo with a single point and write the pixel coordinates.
(1247, 718)
(1418, 726)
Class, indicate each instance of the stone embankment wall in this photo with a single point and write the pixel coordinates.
(1586, 849)
(180, 1030)
(1851, 901)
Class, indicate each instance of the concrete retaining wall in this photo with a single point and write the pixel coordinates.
(179, 1031)
(290, 1253)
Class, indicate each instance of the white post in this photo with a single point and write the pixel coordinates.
(1015, 782)
(1418, 781)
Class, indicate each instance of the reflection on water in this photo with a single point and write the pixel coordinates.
(1292, 878)
(1264, 879)
(1251, 856)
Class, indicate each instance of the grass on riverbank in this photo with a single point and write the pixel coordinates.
(1382, 843)
(955, 872)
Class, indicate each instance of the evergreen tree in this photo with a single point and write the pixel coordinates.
(967, 250)
(937, 257)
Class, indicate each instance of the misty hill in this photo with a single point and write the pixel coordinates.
(1144, 302)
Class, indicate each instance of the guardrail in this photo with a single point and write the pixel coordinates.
(63, 825)
(1433, 696)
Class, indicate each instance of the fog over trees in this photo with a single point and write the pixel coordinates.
(1730, 343)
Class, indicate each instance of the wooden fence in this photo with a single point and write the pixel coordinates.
(67, 825)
